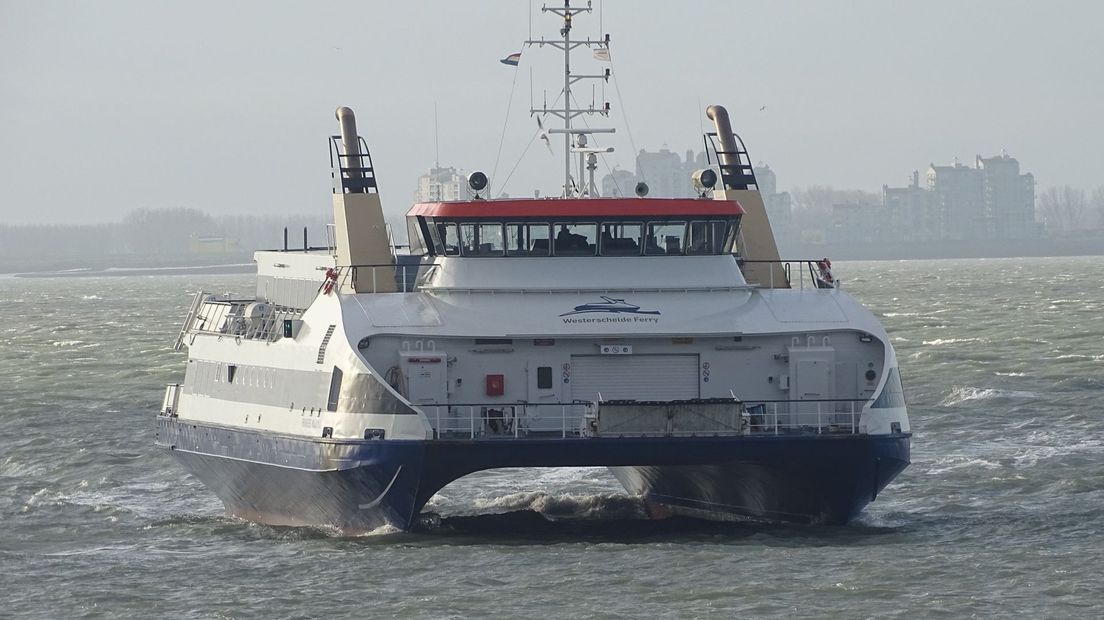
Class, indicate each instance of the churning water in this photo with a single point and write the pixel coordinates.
(1001, 512)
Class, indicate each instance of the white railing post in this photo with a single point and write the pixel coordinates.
(404, 279)
(563, 422)
(438, 411)
(775, 407)
(818, 417)
(374, 289)
(853, 417)
(471, 420)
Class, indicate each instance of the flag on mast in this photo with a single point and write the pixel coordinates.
(602, 53)
(512, 59)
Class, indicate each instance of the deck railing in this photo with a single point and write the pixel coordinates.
(521, 419)
(246, 319)
(387, 278)
(799, 273)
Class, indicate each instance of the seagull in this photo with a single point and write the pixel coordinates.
(544, 135)
(762, 108)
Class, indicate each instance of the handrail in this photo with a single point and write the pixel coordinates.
(407, 278)
(580, 418)
(816, 270)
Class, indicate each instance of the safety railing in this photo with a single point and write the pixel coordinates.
(706, 417)
(505, 420)
(798, 273)
(777, 417)
(246, 319)
(389, 278)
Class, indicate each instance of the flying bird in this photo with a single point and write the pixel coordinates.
(544, 135)
(762, 108)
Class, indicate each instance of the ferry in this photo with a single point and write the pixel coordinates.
(662, 338)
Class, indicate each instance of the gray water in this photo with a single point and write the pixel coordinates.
(1001, 512)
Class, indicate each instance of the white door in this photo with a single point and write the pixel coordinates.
(634, 377)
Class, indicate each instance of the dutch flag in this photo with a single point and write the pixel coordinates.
(512, 59)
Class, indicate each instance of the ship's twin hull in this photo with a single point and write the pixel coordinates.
(358, 486)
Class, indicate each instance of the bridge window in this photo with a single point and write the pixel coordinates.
(705, 238)
(447, 241)
(621, 238)
(575, 239)
(528, 239)
(665, 238)
(481, 239)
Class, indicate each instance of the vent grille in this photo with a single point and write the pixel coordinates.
(325, 343)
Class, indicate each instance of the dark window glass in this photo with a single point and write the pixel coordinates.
(448, 241)
(665, 238)
(335, 389)
(481, 239)
(621, 238)
(575, 239)
(544, 377)
(527, 239)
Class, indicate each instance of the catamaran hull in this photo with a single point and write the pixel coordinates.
(360, 485)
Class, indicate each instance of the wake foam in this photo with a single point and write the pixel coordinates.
(961, 395)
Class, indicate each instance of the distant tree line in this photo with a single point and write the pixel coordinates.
(1068, 211)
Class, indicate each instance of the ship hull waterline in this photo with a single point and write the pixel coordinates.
(356, 486)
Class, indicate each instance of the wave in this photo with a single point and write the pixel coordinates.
(941, 341)
(960, 395)
(597, 506)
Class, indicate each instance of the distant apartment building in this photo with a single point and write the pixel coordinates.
(442, 184)
(991, 200)
(618, 183)
(666, 173)
(779, 205)
(914, 213)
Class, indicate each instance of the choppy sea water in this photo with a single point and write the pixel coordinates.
(1001, 512)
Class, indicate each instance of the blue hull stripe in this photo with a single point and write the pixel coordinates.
(361, 485)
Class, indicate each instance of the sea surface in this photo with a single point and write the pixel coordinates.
(1000, 514)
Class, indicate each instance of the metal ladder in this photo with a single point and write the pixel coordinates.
(197, 303)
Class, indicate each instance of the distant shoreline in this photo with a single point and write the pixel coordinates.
(934, 250)
(115, 272)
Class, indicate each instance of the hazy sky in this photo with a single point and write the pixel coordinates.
(225, 106)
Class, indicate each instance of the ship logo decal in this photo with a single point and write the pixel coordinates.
(609, 305)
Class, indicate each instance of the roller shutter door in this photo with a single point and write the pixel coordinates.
(634, 377)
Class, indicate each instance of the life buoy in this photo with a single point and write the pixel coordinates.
(330, 282)
(824, 269)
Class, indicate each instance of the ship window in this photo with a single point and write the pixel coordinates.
(527, 239)
(893, 394)
(574, 239)
(335, 389)
(544, 377)
(231, 370)
(481, 239)
(414, 235)
(705, 238)
(665, 238)
(447, 241)
(730, 240)
(621, 238)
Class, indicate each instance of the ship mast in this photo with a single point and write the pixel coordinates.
(587, 155)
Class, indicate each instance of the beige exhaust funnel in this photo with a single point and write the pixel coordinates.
(363, 245)
(756, 241)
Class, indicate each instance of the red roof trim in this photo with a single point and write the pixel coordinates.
(579, 207)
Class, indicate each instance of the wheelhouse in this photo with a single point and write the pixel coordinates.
(574, 227)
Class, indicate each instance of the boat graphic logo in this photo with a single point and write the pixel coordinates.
(609, 306)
